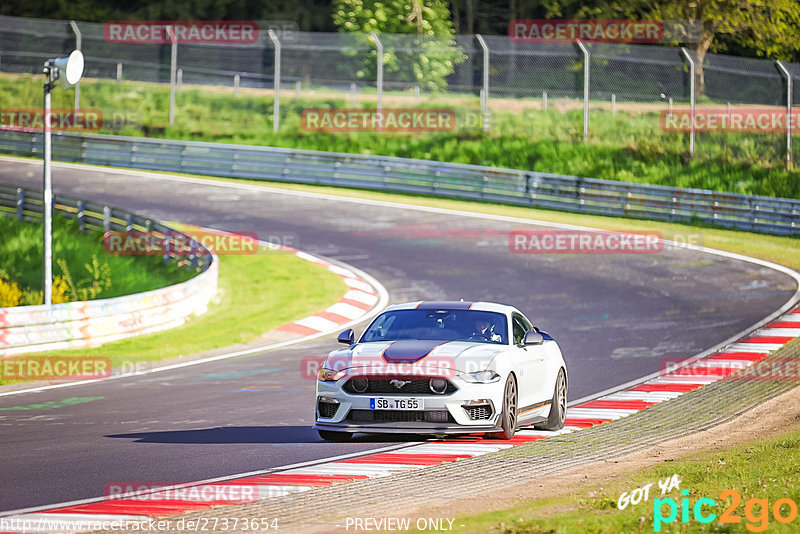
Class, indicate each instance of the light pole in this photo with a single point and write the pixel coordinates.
(69, 70)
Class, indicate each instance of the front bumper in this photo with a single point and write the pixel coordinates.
(442, 414)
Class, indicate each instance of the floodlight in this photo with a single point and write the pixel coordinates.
(70, 68)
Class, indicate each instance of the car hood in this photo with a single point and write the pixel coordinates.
(424, 357)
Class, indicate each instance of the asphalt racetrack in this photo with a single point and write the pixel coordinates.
(616, 317)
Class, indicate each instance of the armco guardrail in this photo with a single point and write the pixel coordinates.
(585, 195)
(78, 324)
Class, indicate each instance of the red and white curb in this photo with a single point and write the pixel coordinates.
(361, 297)
(142, 507)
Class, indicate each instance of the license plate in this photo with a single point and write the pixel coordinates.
(394, 403)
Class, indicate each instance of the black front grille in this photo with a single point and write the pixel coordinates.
(483, 411)
(327, 409)
(400, 416)
(414, 386)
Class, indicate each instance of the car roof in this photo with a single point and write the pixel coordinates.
(453, 305)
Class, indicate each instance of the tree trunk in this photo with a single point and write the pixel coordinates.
(701, 50)
(456, 20)
(470, 16)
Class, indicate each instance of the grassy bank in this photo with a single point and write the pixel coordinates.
(629, 146)
(256, 294)
(81, 267)
(762, 473)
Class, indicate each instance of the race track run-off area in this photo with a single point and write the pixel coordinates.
(247, 420)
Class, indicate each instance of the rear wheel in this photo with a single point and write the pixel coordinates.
(331, 435)
(508, 418)
(558, 407)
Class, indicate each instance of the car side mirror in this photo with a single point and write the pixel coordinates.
(532, 338)
(347, 337)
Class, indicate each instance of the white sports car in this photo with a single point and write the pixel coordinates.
(441, 368)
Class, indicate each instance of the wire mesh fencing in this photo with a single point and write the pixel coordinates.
(485, 78)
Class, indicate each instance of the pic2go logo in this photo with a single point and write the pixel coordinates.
(756, 511)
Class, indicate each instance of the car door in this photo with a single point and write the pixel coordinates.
(532, 379)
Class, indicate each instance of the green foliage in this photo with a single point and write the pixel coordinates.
(82, 268)
(630, 146)
(425, 60)
(98, 280)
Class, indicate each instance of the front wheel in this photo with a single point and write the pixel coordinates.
(508, 418)
(558, 407)
(332, 435)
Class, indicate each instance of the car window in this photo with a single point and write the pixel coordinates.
(445, 324)
(527, 324)
(520, 327)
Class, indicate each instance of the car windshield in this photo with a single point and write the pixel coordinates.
(445, 325)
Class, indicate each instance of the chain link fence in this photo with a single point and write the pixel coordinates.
(484, 75)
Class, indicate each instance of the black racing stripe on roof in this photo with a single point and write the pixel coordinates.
(444, 305)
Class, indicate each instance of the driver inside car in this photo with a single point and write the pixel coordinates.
(484, 330)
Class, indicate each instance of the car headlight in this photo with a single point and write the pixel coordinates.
(481, 377)
(329, 375)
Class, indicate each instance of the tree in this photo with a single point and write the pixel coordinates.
(426, 57)
(770, 27)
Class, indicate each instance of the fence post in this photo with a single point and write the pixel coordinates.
(179, 83)
(119, 73)
(236, 85)
(276, 82)
(106, 219)
(788, 75)
(81, 214)
(613, 104)
(692, 101)
(485, 92)
(298, 86)
(77, 47)
(379, 80)
(585, 89)
(173, 65)
(544, 100)
(20, 203)
(352, 94)
(416, 95)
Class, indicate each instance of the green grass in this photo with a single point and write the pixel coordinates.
(21, 258)
(257, 293)
(629, 146)
(761, 469)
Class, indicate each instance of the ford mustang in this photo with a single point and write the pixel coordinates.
(443, 368)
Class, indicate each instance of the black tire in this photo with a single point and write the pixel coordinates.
(332, 435)
(558, 408)
(508, 417)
